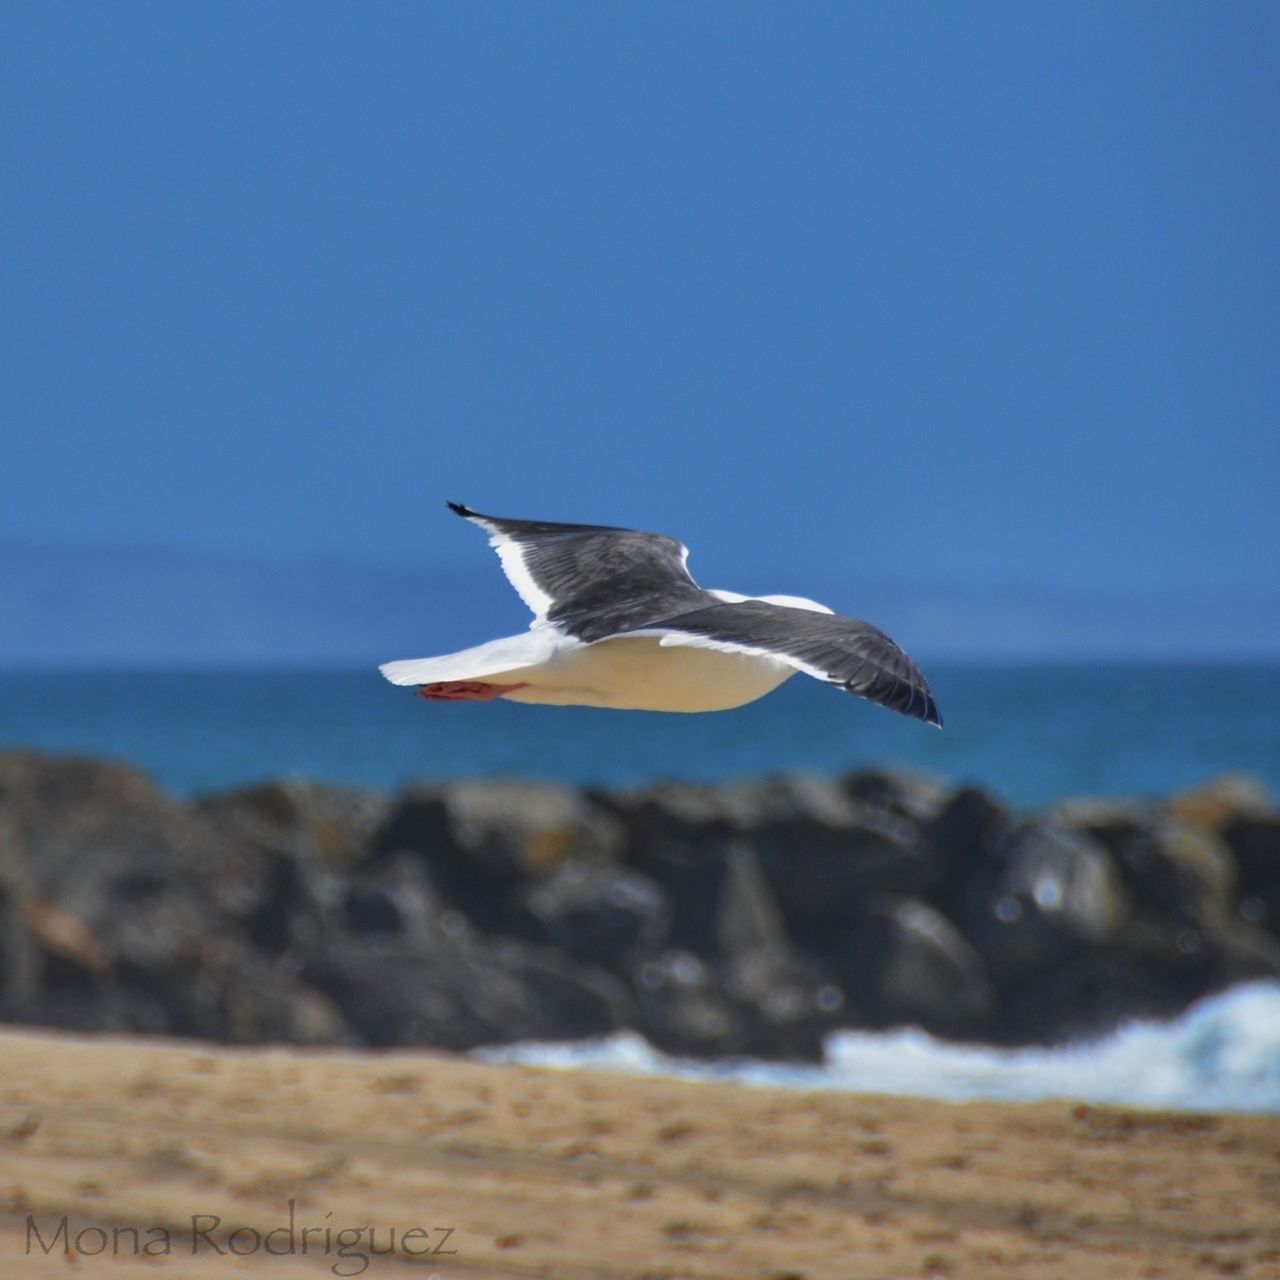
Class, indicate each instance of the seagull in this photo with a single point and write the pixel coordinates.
(618, 622)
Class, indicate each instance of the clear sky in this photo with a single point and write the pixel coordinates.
(966, 293)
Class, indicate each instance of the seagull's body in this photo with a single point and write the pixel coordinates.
(628, 673)
(618, 622)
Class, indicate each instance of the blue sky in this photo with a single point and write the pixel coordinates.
(964, 294)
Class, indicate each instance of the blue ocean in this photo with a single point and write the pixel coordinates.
(1031, 733)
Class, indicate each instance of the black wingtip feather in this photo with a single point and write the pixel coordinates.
(929, 713)
(460, 509)
(906, 697)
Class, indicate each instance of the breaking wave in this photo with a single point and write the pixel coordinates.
(1222, 1054)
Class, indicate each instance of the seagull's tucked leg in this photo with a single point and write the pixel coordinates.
(465, 691)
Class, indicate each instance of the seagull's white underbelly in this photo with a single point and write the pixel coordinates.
(639, 674)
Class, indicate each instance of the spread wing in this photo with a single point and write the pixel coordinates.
(591, 581)
(852, 655)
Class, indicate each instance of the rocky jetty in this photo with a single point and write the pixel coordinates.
(748, 919)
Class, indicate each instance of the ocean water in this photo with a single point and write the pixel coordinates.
(1223, 1054)
(1032, 733)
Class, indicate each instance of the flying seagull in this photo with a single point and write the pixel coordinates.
(618, 622)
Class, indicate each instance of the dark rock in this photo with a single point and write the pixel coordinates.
(1181, 874)
(963, 831)
(462, 992)
(787, 999)
(1254, 841)
(824, 853)
(819, 850)
(604, 915)
(19, 959)
(101, 844)
(259, 1003)
(1035, 900)
(133, 910)
(1036, 893)
(234, 994)
(744, 919)
(397, 896)
(1215, 803)
(675, 835)
(101, 1006)
(682, 1009)
(296, 844)
(1238, 811)
(482, 840)
(904, 961)
(329, 826)
(905, 797)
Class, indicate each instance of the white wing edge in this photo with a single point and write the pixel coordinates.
(787, 602)
(666, 639)
(511, 557)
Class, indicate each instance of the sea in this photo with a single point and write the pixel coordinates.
(1031, 733)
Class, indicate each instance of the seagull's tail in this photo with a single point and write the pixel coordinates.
(484, 661)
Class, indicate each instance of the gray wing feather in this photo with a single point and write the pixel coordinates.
(852, 655)
(600, 580)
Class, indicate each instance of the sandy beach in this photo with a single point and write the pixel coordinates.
(175, 1155)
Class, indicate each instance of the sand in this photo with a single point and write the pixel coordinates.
(534, 1172)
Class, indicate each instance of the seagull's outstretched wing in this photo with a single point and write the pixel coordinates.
(591, 581)
(841, 651)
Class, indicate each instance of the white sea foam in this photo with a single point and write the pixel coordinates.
(1223, 1054)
